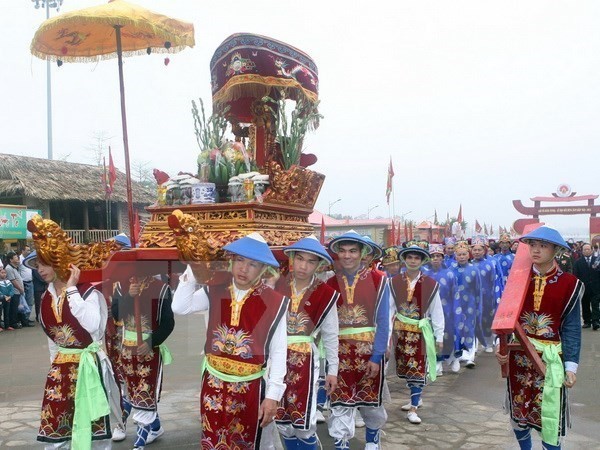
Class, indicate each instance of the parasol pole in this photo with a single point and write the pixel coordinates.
(136, 300)
(125, 138)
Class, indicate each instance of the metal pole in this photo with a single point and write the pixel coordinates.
(49, 94)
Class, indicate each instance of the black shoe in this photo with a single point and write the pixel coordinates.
(17, 326)
(27, 324)
(586, 325)
(596, 326)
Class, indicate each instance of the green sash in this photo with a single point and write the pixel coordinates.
(427, 331)
(300, 339)
(90, 398)
(553, 382)
(322, 353)
(227, 377)
(347, 331)
(165, 353)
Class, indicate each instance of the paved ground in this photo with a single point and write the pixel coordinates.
(461, 411)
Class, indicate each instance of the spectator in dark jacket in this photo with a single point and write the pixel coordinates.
(584, 269)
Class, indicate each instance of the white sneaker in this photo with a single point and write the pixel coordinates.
(154, 435)
(489, 349)
(371, 446)
(439, 369)
(470, 364)
(455, 366)
(358, 420)
(413, 418)
(320, 417)
(119, 434)
(408, 405)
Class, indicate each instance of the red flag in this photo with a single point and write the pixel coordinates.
(112, 173)
(459, 218)
(405, 232)
(485, 231)
(389, 187)
(410, 230)
(392, 238)
(104, 182)
(322, 239)
(477, 227)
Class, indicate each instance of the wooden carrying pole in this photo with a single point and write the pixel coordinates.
(506, 320)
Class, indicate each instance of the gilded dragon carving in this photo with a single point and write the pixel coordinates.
(53, 245)
(298, 185)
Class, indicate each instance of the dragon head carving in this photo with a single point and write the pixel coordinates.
(53, 246)
(197, 247)
(193, 243)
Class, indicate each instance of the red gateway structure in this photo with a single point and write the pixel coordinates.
(563, 199)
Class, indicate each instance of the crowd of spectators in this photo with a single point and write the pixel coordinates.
(21, 290)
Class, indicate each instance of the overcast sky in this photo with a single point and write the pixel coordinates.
(477, 102)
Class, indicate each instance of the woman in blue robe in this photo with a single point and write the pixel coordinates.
(467, 311)
(505, 258)
(448, 291)
(491, 287)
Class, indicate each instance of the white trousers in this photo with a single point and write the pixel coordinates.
(341, 421)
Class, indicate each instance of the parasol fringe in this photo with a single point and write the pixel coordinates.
(258, 86)
(106, 56)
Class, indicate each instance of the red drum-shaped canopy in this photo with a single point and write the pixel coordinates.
(246, 67)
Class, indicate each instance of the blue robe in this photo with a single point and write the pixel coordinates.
(449, 260)
(467, 311)
(448, 291)
(505, 261)
(491, 291)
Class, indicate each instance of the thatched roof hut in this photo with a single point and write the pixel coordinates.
(51, 180)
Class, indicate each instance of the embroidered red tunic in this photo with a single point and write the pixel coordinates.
(305, 316)
(58, 404)
(410, 352)
(237, 344)
(113, 336)
(357, 308)
(542, 322)
(143, 374)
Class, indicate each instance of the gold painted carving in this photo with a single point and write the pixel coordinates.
(298, 186)
(53, 246)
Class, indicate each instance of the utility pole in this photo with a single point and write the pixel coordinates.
(48, 4)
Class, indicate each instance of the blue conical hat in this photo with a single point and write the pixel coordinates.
(545, 234)
(31, 261)
(377, 250)
(414, 249)
(309, 244)
(123, 240)
(350, 236)
(253, 247)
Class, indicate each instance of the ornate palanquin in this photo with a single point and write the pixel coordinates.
(244, 68)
